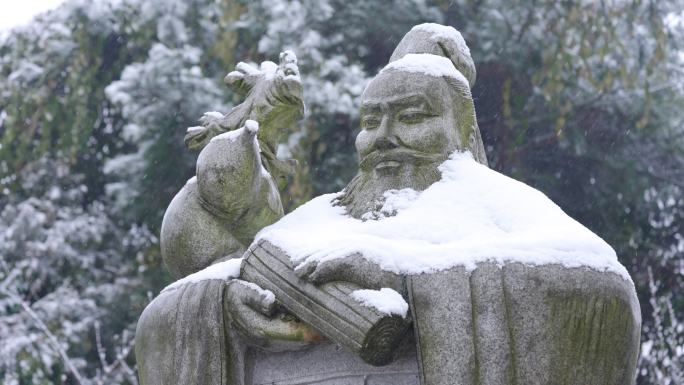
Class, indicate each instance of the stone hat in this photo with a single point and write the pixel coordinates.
(434, 39)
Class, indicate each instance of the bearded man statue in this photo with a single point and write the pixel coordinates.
(314, 286)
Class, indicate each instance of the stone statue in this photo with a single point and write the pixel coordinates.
(493, 323)
(188, 335)
(230, 199)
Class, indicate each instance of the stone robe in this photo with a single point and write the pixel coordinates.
(514, 324)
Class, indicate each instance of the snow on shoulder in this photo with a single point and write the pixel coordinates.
(223, 270)
(426, 64)
(250, 125)
(230, 136)
(472, 215)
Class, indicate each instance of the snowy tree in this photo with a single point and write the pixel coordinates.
(662, 354)
(158, 99)
(65, 271)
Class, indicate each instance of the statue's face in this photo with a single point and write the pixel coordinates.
(408, 128)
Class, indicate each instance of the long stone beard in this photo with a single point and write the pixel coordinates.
(365, 192)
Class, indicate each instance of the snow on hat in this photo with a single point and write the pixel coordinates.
(417, 50)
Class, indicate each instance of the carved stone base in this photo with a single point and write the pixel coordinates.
(330, 364)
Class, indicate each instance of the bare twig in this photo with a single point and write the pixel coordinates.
(122, 353)
(101, 354)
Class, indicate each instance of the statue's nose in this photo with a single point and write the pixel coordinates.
(385, 143)
(385, 140)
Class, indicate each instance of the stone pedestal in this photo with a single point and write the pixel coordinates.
(330, 364)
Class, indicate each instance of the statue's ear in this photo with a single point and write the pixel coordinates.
(243, 79)
(196, 140)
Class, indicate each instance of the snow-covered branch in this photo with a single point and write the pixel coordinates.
(51, 337)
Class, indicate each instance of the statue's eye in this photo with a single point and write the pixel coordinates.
(412, 117)
(370, 122)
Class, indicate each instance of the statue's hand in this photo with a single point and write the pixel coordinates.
(354, 269)
(256, 316)
(214, 121)
(212, 124)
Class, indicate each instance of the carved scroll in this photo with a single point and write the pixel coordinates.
(329, 308)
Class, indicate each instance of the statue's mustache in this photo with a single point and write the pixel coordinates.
(401, 155)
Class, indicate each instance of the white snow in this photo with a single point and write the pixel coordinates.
(225, 270)
(252, 126)
(674, 20)
(230, 135)
(214, 114)
(18, 13)
(443, 32)
(264, 172)
(288, 56)
(396, 200)
(194, 128)
(26, 72)
(268, 67)
(473, 214)
(192, 180)
(427, 64)
(385, 301)
(267, 296)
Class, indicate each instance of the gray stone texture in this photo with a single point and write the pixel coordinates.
(330, 364)
(186, 337)
(515, 324)
(203, 332)
(186, 250)
(181, 339)
(218, 217)
(372, 335)
(521, 324)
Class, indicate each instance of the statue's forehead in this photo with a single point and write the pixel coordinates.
(397, 85)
